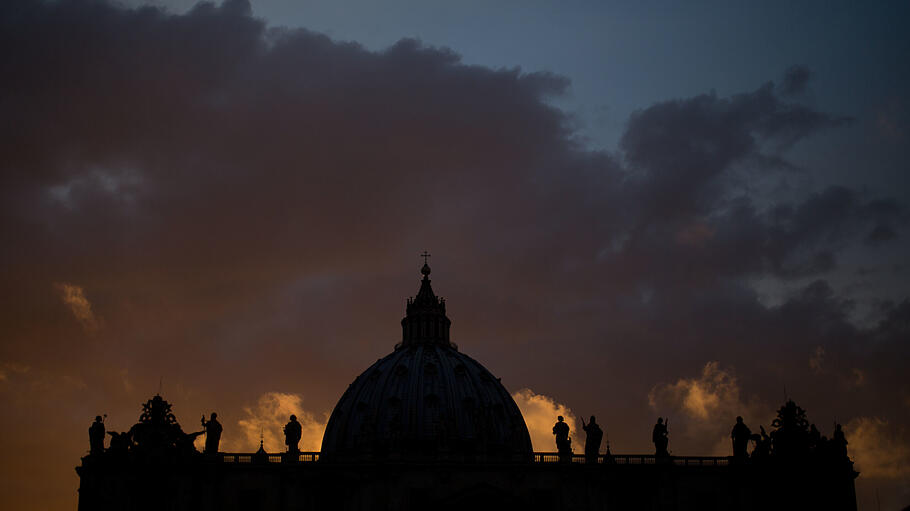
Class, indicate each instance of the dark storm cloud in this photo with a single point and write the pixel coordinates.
(681, 147)
(237, 205)
(795, 80)
(827, 219)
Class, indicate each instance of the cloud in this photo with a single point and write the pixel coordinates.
(795, 80)
(540, 413)
(694, 234)
(701, 398)
(125, 380)
(879, 448)
(817, 360)
(858, 377)
(681, 149)
(8, 369)
(74, 298)
(268, 417)
(706, 406)
(260, 204)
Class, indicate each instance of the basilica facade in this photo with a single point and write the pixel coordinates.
(428, 427)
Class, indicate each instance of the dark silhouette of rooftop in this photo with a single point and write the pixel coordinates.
(427, 426)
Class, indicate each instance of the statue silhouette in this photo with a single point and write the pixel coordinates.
(762, 447)
(185, 443)
(212, 434)
(120, 442)
(815, 438)
(563, 443)
(292, 433)
(157, 430)
(740, 436)
(790, 439)
(839, 443)
(660, 437)
(96, 436)
(592, 439)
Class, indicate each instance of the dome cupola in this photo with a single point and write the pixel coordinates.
(425, 320)
(426, 401)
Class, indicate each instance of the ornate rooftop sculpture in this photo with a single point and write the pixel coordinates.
(791, 438)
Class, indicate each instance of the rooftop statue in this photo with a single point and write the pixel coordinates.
(740, 436)
(815, 438)
(563, 442)
(292, 434)
(762, 449)
(793, 440)
(96, 436)
(158, 433)
(592, 440)
(212, 433)
(660, 437)
(791, 436)
(839, 443)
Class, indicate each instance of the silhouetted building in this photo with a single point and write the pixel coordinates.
(426, 401)
(428, 427)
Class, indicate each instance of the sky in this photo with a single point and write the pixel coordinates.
(689, 210)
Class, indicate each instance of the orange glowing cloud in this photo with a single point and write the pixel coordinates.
(878, 448)
(701, 398)
(74, 297)
(708, 404)
(268, 417)
(540, 414)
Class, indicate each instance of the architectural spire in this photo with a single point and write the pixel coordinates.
(425, 320)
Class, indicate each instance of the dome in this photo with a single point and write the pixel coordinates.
(426, 401)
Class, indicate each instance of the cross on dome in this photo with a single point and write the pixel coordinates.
(425, 271)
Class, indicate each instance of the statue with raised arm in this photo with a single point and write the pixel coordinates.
(96, 436)
(212, 434)
(592, 439)
(292, 434)
(185, 443)
(762, 449)
(740, 436)
(660, 437)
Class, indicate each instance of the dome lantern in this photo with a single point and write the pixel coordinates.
(425, 320)
(426, 401)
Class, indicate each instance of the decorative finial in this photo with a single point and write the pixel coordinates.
(425, 271)
(261, 456)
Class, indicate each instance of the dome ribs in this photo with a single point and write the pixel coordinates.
(426, 402)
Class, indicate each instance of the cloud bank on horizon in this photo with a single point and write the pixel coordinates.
(243, 206)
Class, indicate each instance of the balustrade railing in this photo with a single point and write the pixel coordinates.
(637, 459)
(302, 457)
(539, 457)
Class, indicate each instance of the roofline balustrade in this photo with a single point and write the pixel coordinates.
(545, 458)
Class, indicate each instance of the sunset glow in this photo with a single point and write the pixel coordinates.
(692, 211)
